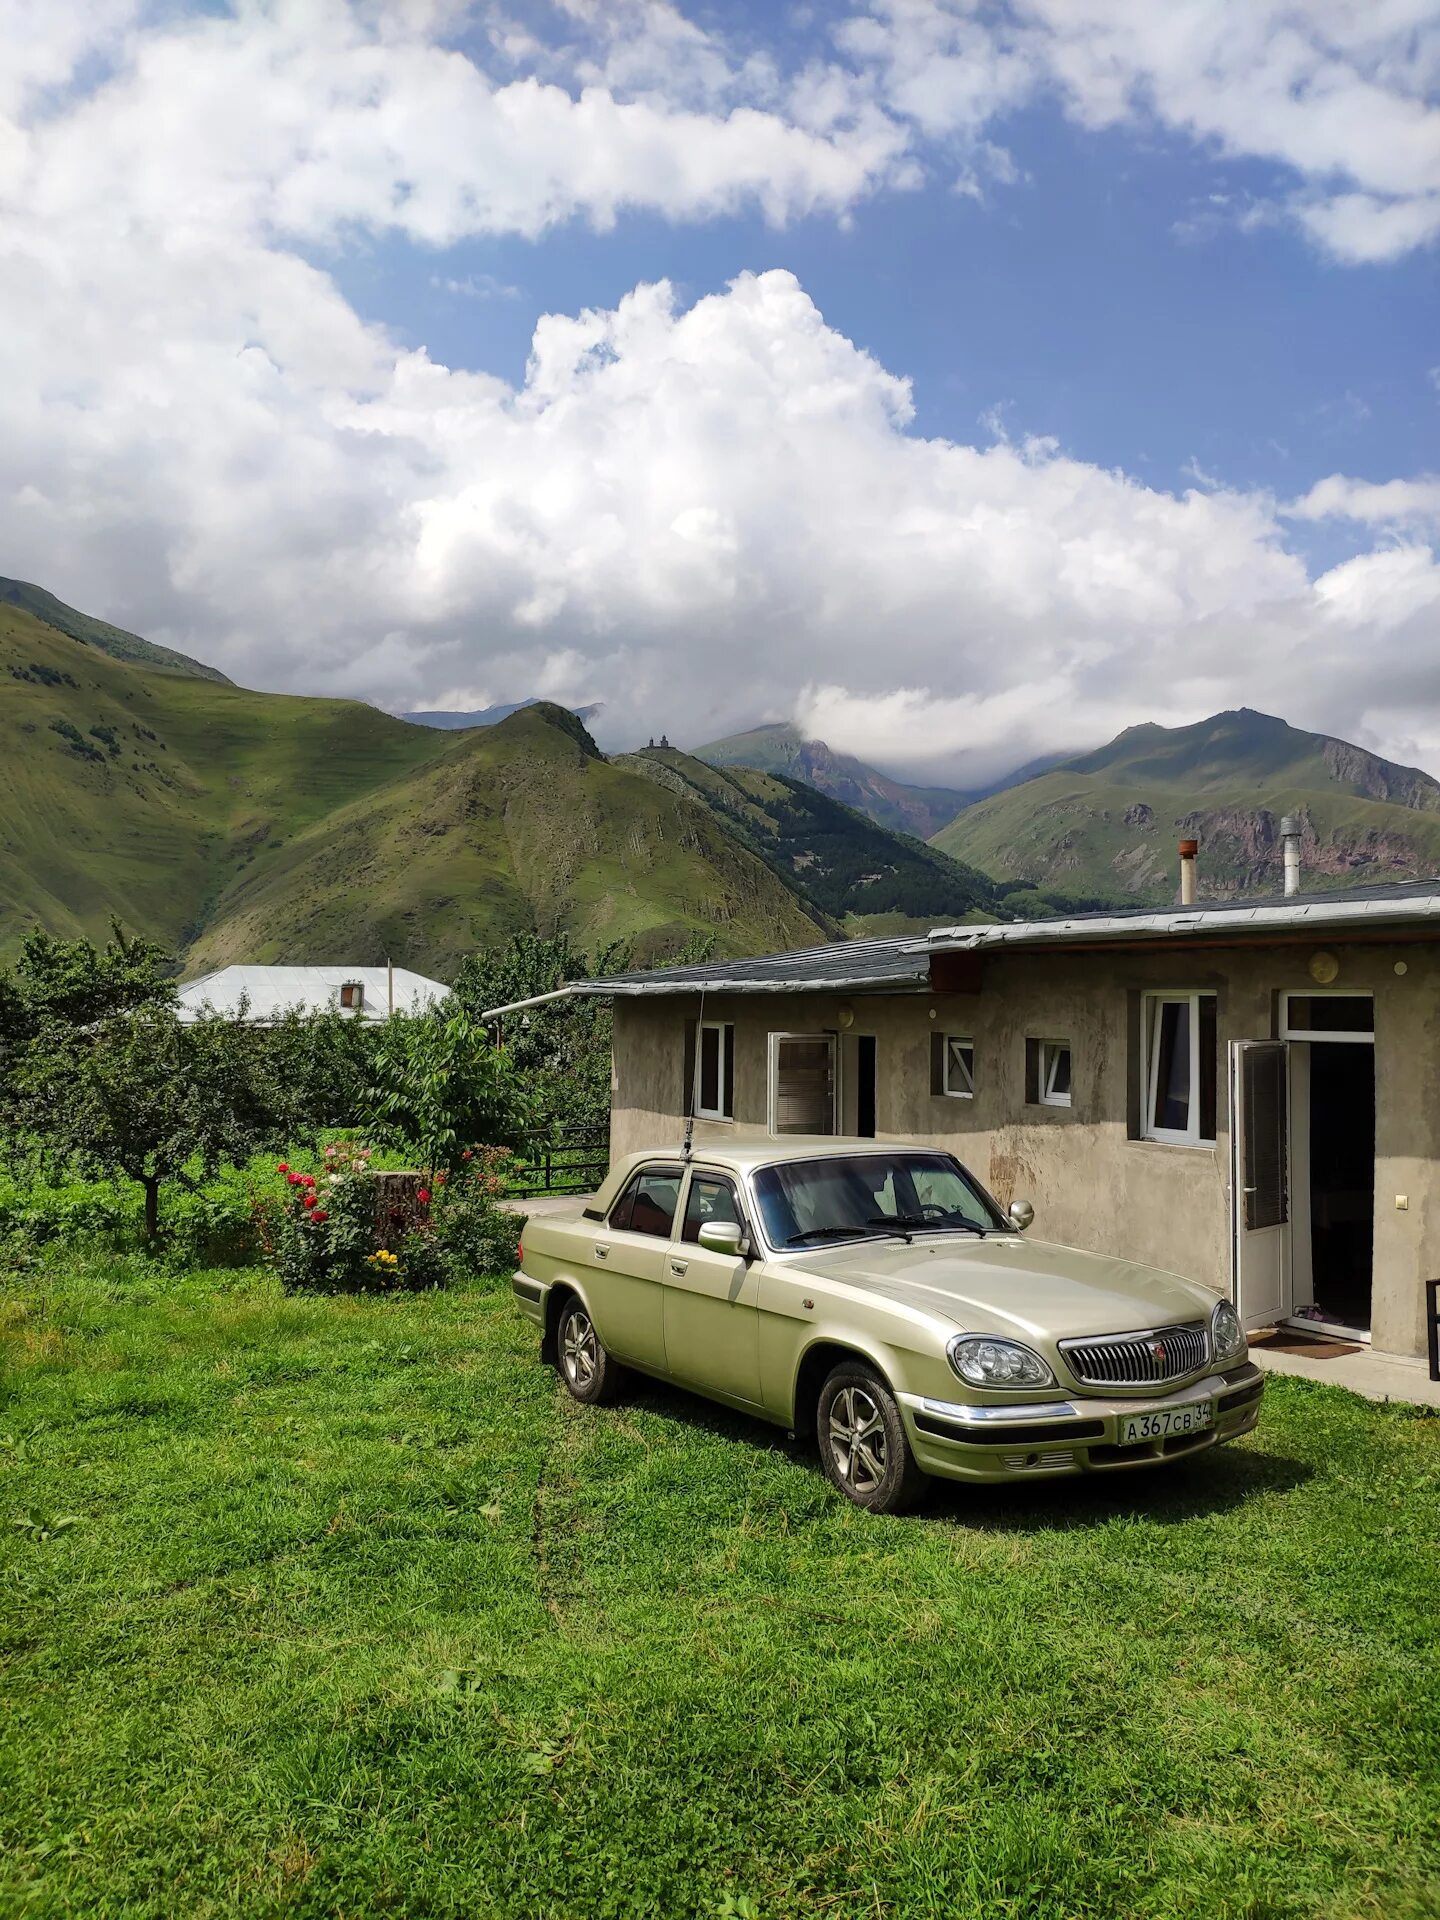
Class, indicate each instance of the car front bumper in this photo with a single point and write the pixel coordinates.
(1081, 1435)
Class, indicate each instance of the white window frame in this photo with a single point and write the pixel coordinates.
(725, 1052)
(1289, 1032)
(1150, 1003)
(1050, 1051)
(772, 1078)
(958, 1093)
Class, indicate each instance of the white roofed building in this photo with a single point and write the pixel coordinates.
(267, 993)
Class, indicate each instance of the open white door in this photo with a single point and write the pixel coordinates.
(1259, 1180)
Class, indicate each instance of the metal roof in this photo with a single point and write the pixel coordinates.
(270, 992)
(896, 963)
(1345, 909)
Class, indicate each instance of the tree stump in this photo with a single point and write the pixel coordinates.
(398, 1207)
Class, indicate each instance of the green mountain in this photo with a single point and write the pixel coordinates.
(783, 749)
(91, 632)
(239, 825)
(1104, 826)
(853, 875)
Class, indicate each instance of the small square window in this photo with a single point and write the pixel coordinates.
(352, 995)
(959, 1081)
(1054, 1073)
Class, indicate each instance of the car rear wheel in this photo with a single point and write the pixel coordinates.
(585, 1367)
(863, 1447)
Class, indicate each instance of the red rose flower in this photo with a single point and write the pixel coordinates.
(467, 1155)
(284, 1167)
(423, 1196)
(319, 1214)
(307, 1199)
(292, 1179)
(307, 1179)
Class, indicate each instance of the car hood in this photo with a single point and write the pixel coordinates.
(1005, 1285)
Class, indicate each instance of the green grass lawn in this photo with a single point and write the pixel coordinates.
(362, 1616)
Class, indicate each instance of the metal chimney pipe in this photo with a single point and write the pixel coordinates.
(1188, 851)
(1290, 842)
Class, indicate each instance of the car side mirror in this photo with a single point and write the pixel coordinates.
(723, 1236)
(1022, 1215)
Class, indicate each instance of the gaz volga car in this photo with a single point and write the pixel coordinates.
(877, 1297)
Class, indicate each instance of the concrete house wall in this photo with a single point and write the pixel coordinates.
(1092, 1183)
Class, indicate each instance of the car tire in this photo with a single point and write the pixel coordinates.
(863, 1447)
(588, 1371)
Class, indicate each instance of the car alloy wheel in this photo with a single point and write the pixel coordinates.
(857, 1441)
(863, 1445)
(580, 1350)
(585, 1367)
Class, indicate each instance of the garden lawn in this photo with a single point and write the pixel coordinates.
(361, 1616)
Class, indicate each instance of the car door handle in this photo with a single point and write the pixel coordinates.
(601, 1252)
(680, 1268)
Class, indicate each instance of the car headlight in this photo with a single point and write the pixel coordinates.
(998, 1363)
(1227, 1336)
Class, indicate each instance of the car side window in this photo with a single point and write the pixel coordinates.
(648, 1204)
(712, 1202)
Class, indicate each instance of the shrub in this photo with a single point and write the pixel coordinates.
(338, 1231)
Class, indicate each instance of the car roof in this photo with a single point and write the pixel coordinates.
(743, 1156)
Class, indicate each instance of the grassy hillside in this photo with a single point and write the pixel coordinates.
(856, 875)
(262, 826)
(1104, 826)
(783, 749)
(91, 632)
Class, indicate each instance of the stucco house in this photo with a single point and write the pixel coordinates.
(1246, 1092)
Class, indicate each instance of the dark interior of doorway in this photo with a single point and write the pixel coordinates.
(865, 1086)
(1342, 1179)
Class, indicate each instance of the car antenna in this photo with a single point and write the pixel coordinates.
(689, 1145)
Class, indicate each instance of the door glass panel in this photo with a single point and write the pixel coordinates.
(804, 1086)
(1263, 1090)
(711, 1203)
(1171, 1042)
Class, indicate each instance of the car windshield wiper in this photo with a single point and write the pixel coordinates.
(909, 1223)
(849, 1233)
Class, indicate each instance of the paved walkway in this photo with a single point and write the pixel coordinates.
(1376, 1376)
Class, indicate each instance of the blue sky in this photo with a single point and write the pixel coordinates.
(1026, 369)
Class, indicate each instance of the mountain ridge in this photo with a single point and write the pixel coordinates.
(1101, 823)
(90, 632)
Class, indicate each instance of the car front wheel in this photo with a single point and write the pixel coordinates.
(585, 1367)
(863, 1447)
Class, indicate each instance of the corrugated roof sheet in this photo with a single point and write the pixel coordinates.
(270, 992)
(848, 965)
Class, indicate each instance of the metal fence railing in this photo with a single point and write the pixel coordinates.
(569, 1160)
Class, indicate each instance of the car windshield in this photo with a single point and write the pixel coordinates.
(853, 1196)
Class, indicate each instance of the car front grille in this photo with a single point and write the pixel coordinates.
(1138, 1359)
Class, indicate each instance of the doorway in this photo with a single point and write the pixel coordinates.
(857, 1086)
(1332, 1157)
(1331, 1262)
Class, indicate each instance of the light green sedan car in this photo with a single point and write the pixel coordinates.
(876, 1297)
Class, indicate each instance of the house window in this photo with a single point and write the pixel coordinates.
(952, 1066)
(1177, 1079)
(352, 995)
(714, 1088)
(802, 1083)
(1328, 1016)
(1054, 1073)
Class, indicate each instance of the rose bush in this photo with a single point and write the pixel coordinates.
(347, 1228)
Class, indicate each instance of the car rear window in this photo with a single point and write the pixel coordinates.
(648, 1203)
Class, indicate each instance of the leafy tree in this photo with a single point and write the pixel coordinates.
(313, 1070)
(73, 981)
(439, 1086)
(140, 1095)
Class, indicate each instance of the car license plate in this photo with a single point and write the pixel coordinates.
(1166, 1423)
